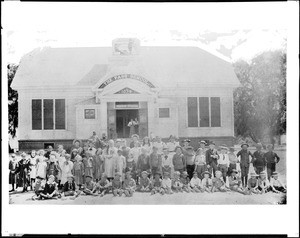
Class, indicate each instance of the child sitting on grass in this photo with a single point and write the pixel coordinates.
(235, 182)
(263, 183)
(196, 183)
(218, 184)
(116, 185)
(89, 187)
(176, 183)
(51, 190)
(206, 181)
(166, 183)
(156, 184)
(103, 184)
(276, 185)
(70, 188)
(144, 182)
(129, 185)
(185, 182)
(253, 184)
(38, 188)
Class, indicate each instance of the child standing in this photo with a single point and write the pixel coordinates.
(218, 184)
(166, 162)
(155, 161)
(178, 160)
(185, 180)
(206, 182)
(235, 183)
(244, 162)
(200, 160)
(32, 168)
(253, 184)
(129, 185)
(120, 164)
(258, 160)
(143, 163)
(78, 170)
(223, 161)
(144, 182)
(52, 166)
(88, 162)
(166, 183)
(66, 169)
(233, 160)
(196, 183)
(263, 183)
(190, 161)
(41, 167)
(271, 159)
(276, 185)
(156, 184)
(176, 183)
(117, 185)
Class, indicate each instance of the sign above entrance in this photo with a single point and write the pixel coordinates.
(126, 105)
(125, 76)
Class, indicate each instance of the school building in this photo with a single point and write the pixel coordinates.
(67, 93)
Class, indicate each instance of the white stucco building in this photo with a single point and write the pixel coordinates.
(66, 93)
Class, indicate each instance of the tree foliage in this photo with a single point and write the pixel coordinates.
(12, 101)
(260, 102)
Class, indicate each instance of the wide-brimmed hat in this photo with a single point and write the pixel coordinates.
(177, 172)
(274, 173)
(224, 147)
(128, 172)
(157, 172)
(202, 142)
(262, 173)
(135, 135)
(13, 155)
(259, 145)
(184, 173)
(118, 140)
(38, 177)
(23, 154)
(90, 176)
(244, 144)
(212, 143)
(74, 150)
(206, 172)
(165, 148)
(186, 140)
(145, 172)
(189, 148)
(253, 174)
(233, 171)
(77, 141)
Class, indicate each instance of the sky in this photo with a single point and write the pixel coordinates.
(240, 30)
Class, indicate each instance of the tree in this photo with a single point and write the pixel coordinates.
(12, 101)
(260, 102)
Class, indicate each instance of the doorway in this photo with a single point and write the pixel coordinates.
(123, 117)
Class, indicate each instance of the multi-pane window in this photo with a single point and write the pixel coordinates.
(48, 114)
(89, 114)
(204, 112)
(164, 112)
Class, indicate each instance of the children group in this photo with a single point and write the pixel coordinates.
(148, 166)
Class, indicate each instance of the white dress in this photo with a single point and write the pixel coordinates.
(66, 169)
(109, 161)
(41, 169)
(134, 153)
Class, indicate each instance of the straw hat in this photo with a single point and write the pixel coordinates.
(202, 142)
(233, 171)
(206, 172)
(253, 174)
(246, 144)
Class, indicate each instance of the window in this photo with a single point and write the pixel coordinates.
(164, 113)
(192, 112)
(89, 114)
(36, 114)
(215, 112)
(48, 114)
(60, 114)
(204, 112)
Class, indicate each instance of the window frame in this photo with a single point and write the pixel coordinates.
(165, 108)
(198, 114)
(84, 113)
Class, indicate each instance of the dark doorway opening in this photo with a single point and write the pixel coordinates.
(123, 118)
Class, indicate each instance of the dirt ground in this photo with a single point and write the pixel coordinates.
(179, 198)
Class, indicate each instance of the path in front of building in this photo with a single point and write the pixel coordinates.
(230, 198)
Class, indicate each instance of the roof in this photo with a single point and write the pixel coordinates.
(85, 66)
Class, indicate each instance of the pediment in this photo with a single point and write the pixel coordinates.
(127, 90)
